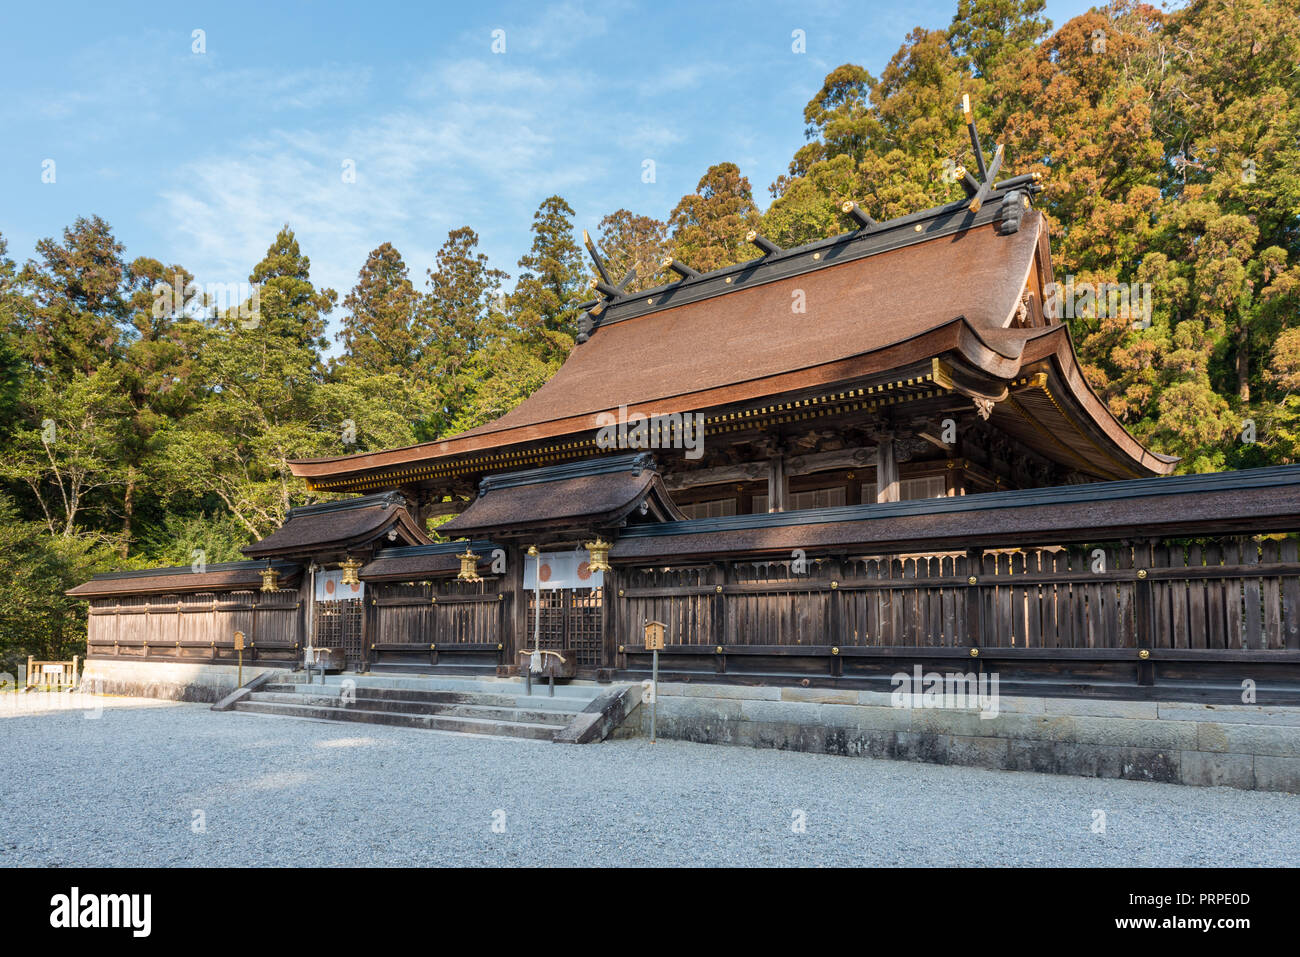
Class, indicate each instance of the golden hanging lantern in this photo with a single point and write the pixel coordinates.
(598, 555)
(468, 566)
(350, 567)
(270, 578)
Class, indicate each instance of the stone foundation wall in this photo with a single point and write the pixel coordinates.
(1242, 746)
(172, 681)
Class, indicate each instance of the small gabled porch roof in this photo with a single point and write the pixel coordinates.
(591, 495)
(339, 526)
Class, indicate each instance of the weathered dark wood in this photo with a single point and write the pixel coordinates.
(1221, 607)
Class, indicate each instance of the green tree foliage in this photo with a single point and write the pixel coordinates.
(262, 371)
(533, 328)
(36, 617)
(12, 367)
(545, 301)
(631, 242)
(709, 225)
(75, 301)
(188, 538)
(989, 33)
(466, 319)
(1169, 145)
(382, 330)
(142, 424)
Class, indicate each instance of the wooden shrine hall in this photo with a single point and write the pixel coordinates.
(824, 465)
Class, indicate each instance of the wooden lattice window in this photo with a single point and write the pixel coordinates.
(338, 625)
(571, 618)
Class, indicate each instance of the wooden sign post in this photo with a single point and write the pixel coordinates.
(239, 647)
(654, 642)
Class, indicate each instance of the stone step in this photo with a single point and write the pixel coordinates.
(395, 694)
(584, 691)
(486, 707)
(501, 699)
(432, 722)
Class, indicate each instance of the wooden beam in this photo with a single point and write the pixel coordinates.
(762, 242)
(829, 461)
(969, 117)
(438, 509)
(857, 457)
(595, 258)
(858, 214)
(987, 185)
(722, 475)
(679, 267)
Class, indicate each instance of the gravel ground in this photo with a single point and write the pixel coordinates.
(123, 790)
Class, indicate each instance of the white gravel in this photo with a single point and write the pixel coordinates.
(124, 790)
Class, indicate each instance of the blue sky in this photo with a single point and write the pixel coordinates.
(199, 158)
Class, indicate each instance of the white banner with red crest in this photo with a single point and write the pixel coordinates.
(330, 587)
(564, 569)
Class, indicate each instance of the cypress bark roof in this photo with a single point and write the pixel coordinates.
(595, 494)
(337, 526)
(223, 576)
(943, 285)
(1265, 499)
(418, 561)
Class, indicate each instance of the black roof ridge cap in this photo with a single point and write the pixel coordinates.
(433, 548)
(988, 214)
(640, 461)
(1269, 476)
(250, 564)
(347, 504)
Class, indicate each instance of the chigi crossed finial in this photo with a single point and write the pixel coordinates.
(1012, 193)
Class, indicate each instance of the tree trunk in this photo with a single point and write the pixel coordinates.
(128, 511)
(1243, 364)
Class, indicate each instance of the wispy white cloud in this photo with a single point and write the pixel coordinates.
(217, 151)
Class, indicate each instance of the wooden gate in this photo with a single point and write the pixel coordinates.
(572, 618)
(338, 625)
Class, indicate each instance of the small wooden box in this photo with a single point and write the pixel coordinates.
(328, 659)
(552, 666)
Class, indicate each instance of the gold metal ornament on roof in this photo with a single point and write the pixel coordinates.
(468, 566)
(270, 578)
(598, 555)
(350, 567)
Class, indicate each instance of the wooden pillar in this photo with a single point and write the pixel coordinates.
(1144, 611)
(853, 490)
(777, 485)
(369, 626)
(611, 605)
(886, 470)
(718, 622)
(974, 598)
(418, 503)
(517, 614)
(953, 479)
(835, 614)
